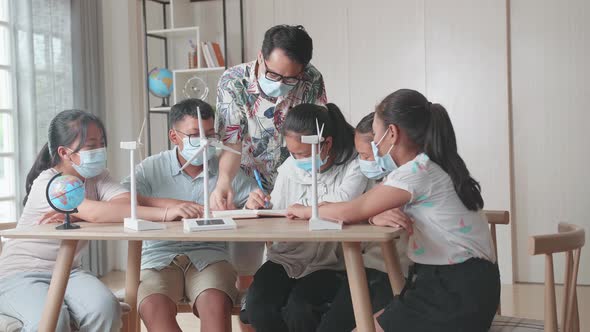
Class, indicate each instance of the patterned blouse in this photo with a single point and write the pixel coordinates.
(246, 114)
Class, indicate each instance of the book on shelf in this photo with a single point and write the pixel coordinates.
(218, 54)
(212, 55)
(207, 55)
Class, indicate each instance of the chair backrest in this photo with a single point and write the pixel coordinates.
(497, 218)
(3, 226)
(569, 239)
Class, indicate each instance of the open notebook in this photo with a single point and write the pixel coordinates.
(249, 214)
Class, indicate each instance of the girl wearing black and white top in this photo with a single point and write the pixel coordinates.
(457, 284)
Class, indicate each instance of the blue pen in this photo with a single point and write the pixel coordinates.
(257, 176)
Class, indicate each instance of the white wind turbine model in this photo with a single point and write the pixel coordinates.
(133, 222)
(316, 223)
(207, 222)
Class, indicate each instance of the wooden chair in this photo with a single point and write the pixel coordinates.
(569, 239)
(497, 218)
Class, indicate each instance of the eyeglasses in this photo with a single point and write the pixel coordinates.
(195, 139)
(288, 80)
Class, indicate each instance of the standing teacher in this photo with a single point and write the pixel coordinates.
(252, 102)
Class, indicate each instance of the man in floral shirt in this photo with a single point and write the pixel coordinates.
(252, 101)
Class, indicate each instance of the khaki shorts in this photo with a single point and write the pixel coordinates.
(182, 281)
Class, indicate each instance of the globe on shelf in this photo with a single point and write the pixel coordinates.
(64, 194)
(160, 83)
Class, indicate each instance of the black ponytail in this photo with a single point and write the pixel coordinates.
(429, 126)
(63, 130)
(441, 146)
(301, 120)
(43, 162)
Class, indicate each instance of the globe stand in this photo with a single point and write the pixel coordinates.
(165, 102)
(67, 223)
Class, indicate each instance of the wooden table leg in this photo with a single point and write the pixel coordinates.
(132, 284)
(394, 270)
(359, 289)
(57, 287)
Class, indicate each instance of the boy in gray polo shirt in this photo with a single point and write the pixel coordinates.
(199, 271)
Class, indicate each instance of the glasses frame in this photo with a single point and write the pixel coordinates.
(280, 78)
(195, 139)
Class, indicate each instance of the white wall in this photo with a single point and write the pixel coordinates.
(466, 71)
(550, 60)
(453, 51)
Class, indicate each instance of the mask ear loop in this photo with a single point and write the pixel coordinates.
(70, 156)
(392, 145)
(391, 148)
(382, 137)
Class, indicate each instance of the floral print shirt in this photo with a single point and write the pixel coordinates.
(245, 114)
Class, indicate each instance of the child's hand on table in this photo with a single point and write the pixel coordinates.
(298, 211)
(393, 218)
(55, 217)
(257, 200)
(184, 210)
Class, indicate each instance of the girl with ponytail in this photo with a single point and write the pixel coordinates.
(295, 286)
(76, 146)
(457, 284)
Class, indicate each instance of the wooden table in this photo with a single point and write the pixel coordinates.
(253, 230)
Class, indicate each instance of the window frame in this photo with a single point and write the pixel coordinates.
(12, 111)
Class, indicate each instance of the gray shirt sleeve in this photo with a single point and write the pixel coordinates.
(243, 186)
(142, 182)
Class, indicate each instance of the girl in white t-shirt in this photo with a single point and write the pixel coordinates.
(457, 283)
(340, 317)
(76, 146)
(295, 286)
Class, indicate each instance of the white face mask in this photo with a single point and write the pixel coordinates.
(92, 162)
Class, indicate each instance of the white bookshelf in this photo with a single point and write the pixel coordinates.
(174, 31)
(198, 70)
(160, 109)
(169, 26)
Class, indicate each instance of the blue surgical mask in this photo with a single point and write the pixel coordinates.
(274, 89)
(188, 151)
(385, 162)
(371, 169)
(92, 162)
(305, 163)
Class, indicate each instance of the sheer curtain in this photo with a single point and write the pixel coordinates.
(43, 64)
(58, 46)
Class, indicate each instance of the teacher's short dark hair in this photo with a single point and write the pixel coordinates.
(188, 107)
(292, 39)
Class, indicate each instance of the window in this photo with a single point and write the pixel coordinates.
(8, 175)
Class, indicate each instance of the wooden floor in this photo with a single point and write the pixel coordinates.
(522, 300)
